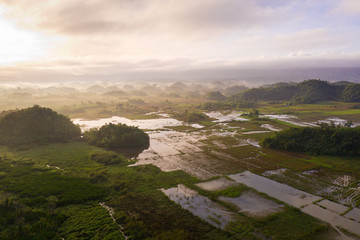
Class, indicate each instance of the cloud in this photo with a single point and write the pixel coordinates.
(351, 7)
(77, 17)
(115, 38)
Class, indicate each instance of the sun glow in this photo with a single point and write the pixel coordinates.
(18, 45)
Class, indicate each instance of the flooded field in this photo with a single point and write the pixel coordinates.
(220, 117)
(227, 147)
(199, 205)
(296, 121)
(174, 150)
(217, 184)
(274, 189)
(150, 124)
(253, 204)
(299, 199)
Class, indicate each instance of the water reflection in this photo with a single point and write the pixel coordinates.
(130, 152)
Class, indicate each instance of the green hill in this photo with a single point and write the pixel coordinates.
(36, 125)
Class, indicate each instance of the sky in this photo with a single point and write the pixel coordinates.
(124, 39)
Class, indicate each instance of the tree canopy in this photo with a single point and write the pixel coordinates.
(323, 140)
(114, 136)
(351, 93)
(36, 125)
(309, 91)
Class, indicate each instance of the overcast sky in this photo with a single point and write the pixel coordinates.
(117, 38)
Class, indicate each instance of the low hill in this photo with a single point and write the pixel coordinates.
(309, 91)
(117, 136)
(36, 125)
(322, 140)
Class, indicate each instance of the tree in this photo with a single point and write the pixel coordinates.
(117, 136)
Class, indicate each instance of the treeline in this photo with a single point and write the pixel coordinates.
(113, 136)
(36, 125)
(323, 140)
(309, 91)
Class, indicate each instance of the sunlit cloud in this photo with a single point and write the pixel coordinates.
(116, 38)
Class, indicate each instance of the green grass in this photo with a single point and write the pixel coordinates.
(73, 157)
(293, 224)
(88, 222)
(340, 163)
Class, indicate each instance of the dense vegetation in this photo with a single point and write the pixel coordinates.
(312, 91)
(117, 136)
(230, 104)
(191, 117)
(36, 125)
(309, 91)
(322, 140)
(216, 96)
(273, 93)
(351, 93)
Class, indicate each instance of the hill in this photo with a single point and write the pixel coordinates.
(36, 125)
(309, 91)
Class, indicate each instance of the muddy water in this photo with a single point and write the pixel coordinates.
(337, 121)
(253, 204)
(333, 218)
(354, 214)
(290, 119)
(150, 124)
(332, 206)
(274, 189)
(217, 184)
(172, 150)
(200, 206)
(220, 117)
(299, 199)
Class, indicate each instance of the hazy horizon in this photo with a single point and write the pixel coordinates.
(255, 41)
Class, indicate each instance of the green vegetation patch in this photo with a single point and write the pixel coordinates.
(107, 158)
(148, 212)
(66, 189)
(292, 224)
(88, 222)
(36, 125)
(322, 140)
(117, 136)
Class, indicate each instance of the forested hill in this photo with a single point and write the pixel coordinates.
(322, 140)
(309, 91)
(36, 125)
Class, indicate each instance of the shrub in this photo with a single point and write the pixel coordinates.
(117, 136)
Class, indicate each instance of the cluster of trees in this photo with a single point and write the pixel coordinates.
(323, 140)
(36, 125)
(191, 117)
(273, 93)
(115, 136)
(351, 93)
(309, 91)
(229, 104)
(216, 96)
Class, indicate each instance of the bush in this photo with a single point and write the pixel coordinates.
(117, 136)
